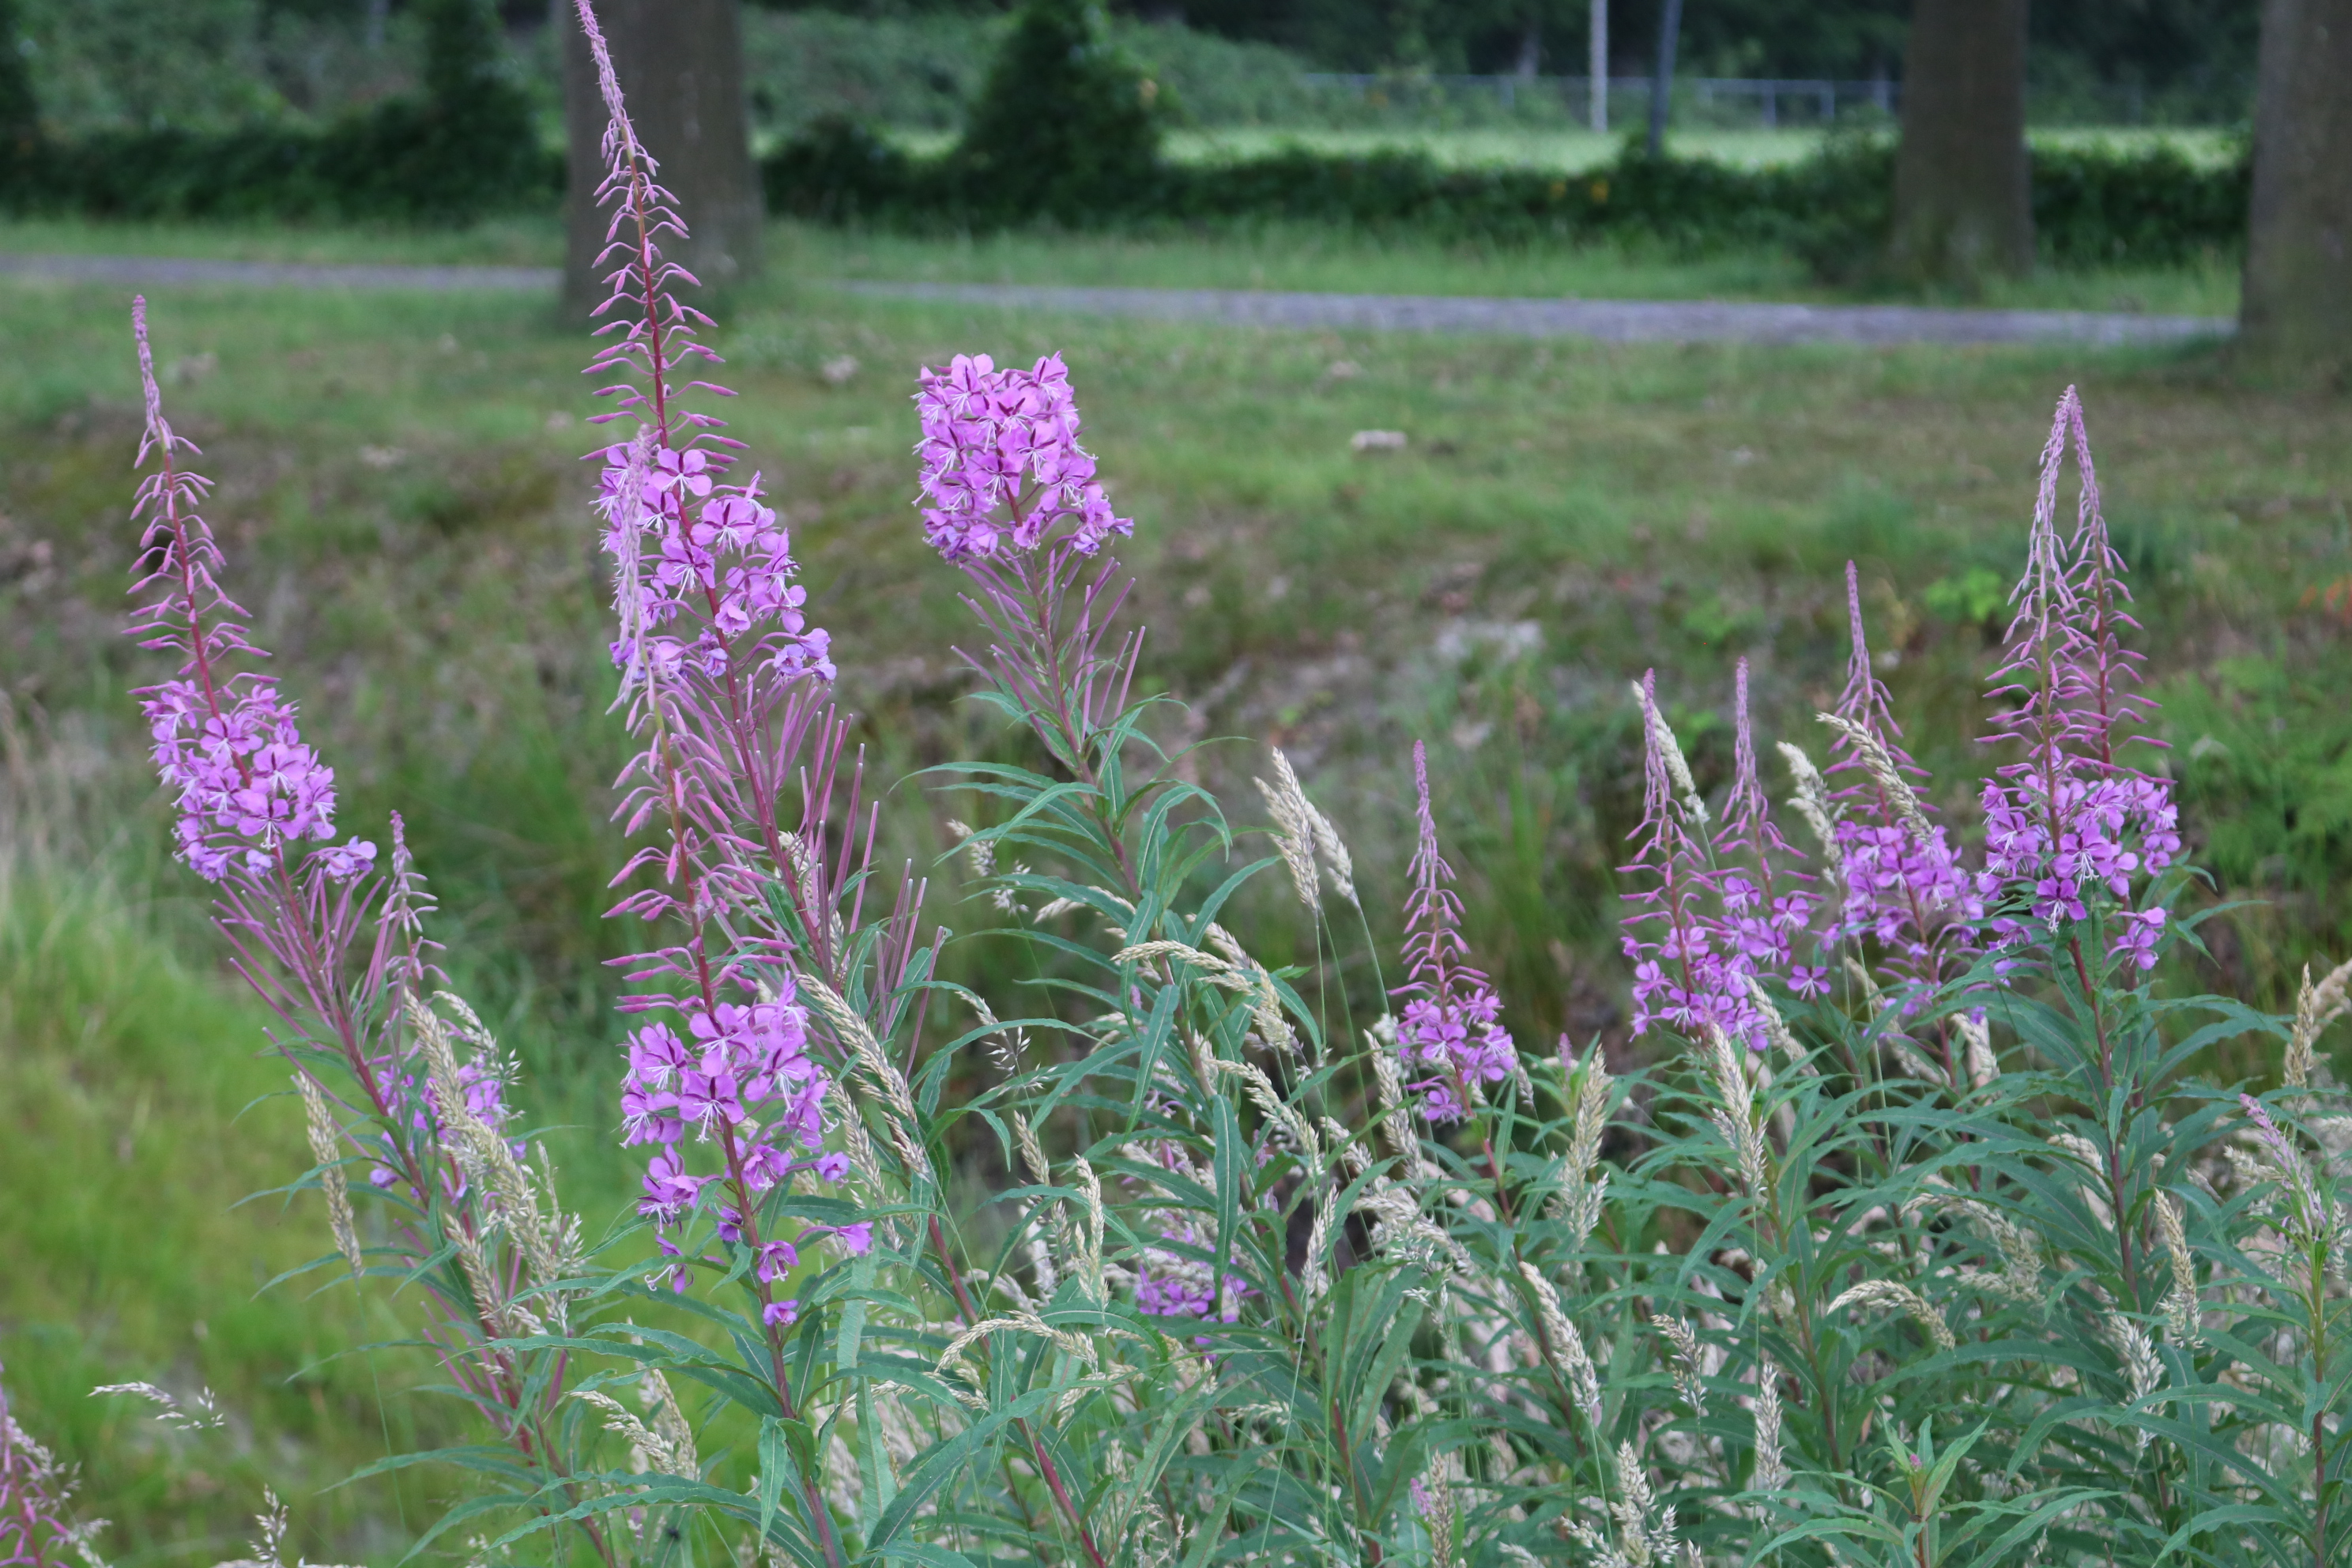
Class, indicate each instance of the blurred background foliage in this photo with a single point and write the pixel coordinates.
(207, 64)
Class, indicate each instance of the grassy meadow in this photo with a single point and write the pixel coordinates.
(401, 496)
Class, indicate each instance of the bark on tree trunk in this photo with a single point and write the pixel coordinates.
(2296, 316)
(1963, 193)
(1596, 54)
(680, 64)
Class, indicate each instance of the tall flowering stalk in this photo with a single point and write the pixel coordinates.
(1719, 924)
(1905, 888)
(2067, 818)
(1451, 1027)
(1765, 911)
(406, 1086)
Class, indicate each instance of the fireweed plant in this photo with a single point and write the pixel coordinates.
(1919, 1243)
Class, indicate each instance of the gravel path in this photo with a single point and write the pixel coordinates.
(1607, 321)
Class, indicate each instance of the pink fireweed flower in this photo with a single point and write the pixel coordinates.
(484, 1088)
(2136, 943)
(725, 570)
(1760, 919)
(1173, 1284)
(1698, 936)
(2067, 819)
(1904, 886)
(1453, 1020)
(247, 787)
(1001, 464)
(743, 1067)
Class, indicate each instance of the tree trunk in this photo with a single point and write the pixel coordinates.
(1963, 191)
(680, 64)
(1661, 81)
(1596, 59)
(1530, 45)
(2297, 315)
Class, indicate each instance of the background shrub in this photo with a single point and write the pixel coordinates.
(1064, 127)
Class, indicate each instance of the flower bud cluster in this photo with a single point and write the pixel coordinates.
(1001, 463)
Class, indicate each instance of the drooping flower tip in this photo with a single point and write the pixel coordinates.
(1000, 461)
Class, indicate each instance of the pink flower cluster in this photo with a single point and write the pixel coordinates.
(1453, 1023)
(2108, 830)
(1719, 928)
(741, 1078)
(1901, 884)
(719, 559)
(2068, 818)
(1461, 1036)
(1171, 1284)
(247, 786)
(1001, 463)
(245, 781)
(484, 1091)
(1905, 886)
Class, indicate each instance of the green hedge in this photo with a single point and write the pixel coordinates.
(404, 162)
(399, 162)
(2089, 205)
(461, 148)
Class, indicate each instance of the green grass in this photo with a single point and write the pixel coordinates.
(1300, 256)
(1273, 255)
(405, 513)
(131, 1081)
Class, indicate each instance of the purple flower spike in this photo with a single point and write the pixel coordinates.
(2067, 818)
(1700, 936)
(249, 788)
(1760, 919)
(1903, 885)
(1453, 1022)
(1001, 463)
